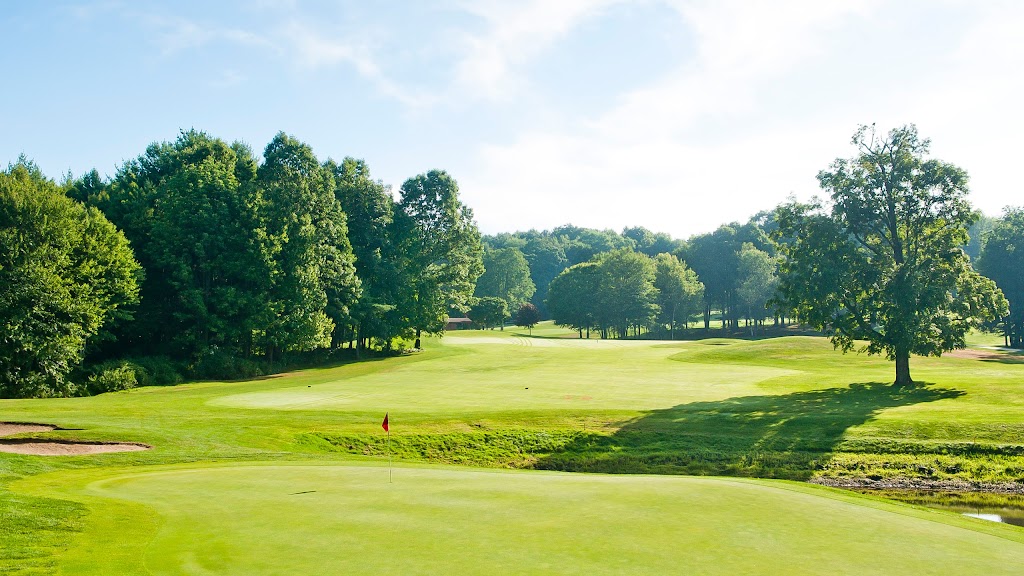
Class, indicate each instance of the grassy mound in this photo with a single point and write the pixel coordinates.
(789, 408)
(300, 519)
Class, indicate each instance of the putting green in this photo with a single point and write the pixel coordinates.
(542, 374)
(348, 519)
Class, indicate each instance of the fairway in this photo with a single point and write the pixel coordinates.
(348, 519)
(286, 474)
(493, 373)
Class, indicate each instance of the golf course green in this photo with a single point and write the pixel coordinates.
(289, 474)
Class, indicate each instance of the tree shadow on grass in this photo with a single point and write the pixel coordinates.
(779, 436)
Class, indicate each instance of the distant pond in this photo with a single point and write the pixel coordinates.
(1005, 508)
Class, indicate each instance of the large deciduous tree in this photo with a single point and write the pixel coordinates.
(506, 276)
(758, 282)
(715, 259)
(489, 311)
(66, 275)
(680, 293)
(626, 294)
(1002, 260)
(312, 266)
(883, 262)
(527, 316)
(571, 297)
(369, 209)
(438, 244)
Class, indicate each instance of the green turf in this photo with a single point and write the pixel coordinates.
(347, 519)
(783, 408)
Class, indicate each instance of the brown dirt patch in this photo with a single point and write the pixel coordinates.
(42, 447)
(976, 354)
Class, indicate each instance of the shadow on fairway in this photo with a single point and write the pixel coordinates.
(780, 436)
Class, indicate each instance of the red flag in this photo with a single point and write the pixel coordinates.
(384, 424)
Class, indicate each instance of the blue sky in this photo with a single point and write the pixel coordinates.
(676, 115)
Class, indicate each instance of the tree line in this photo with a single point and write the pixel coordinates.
(199, 255)
(199, 258)
(894, 256)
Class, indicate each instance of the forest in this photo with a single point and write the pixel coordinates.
(201, 259)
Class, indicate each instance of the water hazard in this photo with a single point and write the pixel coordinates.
(1004, 508)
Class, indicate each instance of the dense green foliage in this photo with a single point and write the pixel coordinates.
(1002, 260)
(312, 266)
(248, 265)
(612, 293)
(369, 209)
(758, 282)
(489, 311)
(67, 278)
(440, 251)
(527, 316)
(506, 276)
(885, 263)
(680, 293)
(253, 264)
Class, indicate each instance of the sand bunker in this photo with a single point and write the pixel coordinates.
(41, 447)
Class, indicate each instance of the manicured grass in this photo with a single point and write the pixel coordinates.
(347, 519)
(781, 408)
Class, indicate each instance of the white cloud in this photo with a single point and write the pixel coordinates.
(315, 51)
(651, 160)
(514, 33)
(175, 34)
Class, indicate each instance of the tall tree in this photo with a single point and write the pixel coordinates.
(546, 257)
(369, 209)
(572, 297)
(884, 264)
(758, 282)
(977, 232)
(204, 253)
(1002, 260)
(439, 246)
(312, 266)
(715, 259)
(626, 293)
(506, 276)
(651, 243)
(189, 209)
(489, 311)
(680, 293)
(527, 316)
(66, 275)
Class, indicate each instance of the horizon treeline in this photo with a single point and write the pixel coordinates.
(199, 259)
(735, 268)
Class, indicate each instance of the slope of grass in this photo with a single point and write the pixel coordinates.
(783, 408)
(349, 519)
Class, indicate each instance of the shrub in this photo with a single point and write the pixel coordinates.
(157, 371)
(220, 365)
(113, 377)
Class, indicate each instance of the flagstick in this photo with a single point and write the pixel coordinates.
(389, 455)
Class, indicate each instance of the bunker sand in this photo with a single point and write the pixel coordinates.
(41, 447)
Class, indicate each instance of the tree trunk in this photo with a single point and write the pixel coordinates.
(417, 346)
(903, 367)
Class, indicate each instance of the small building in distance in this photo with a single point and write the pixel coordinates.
(458, 323)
